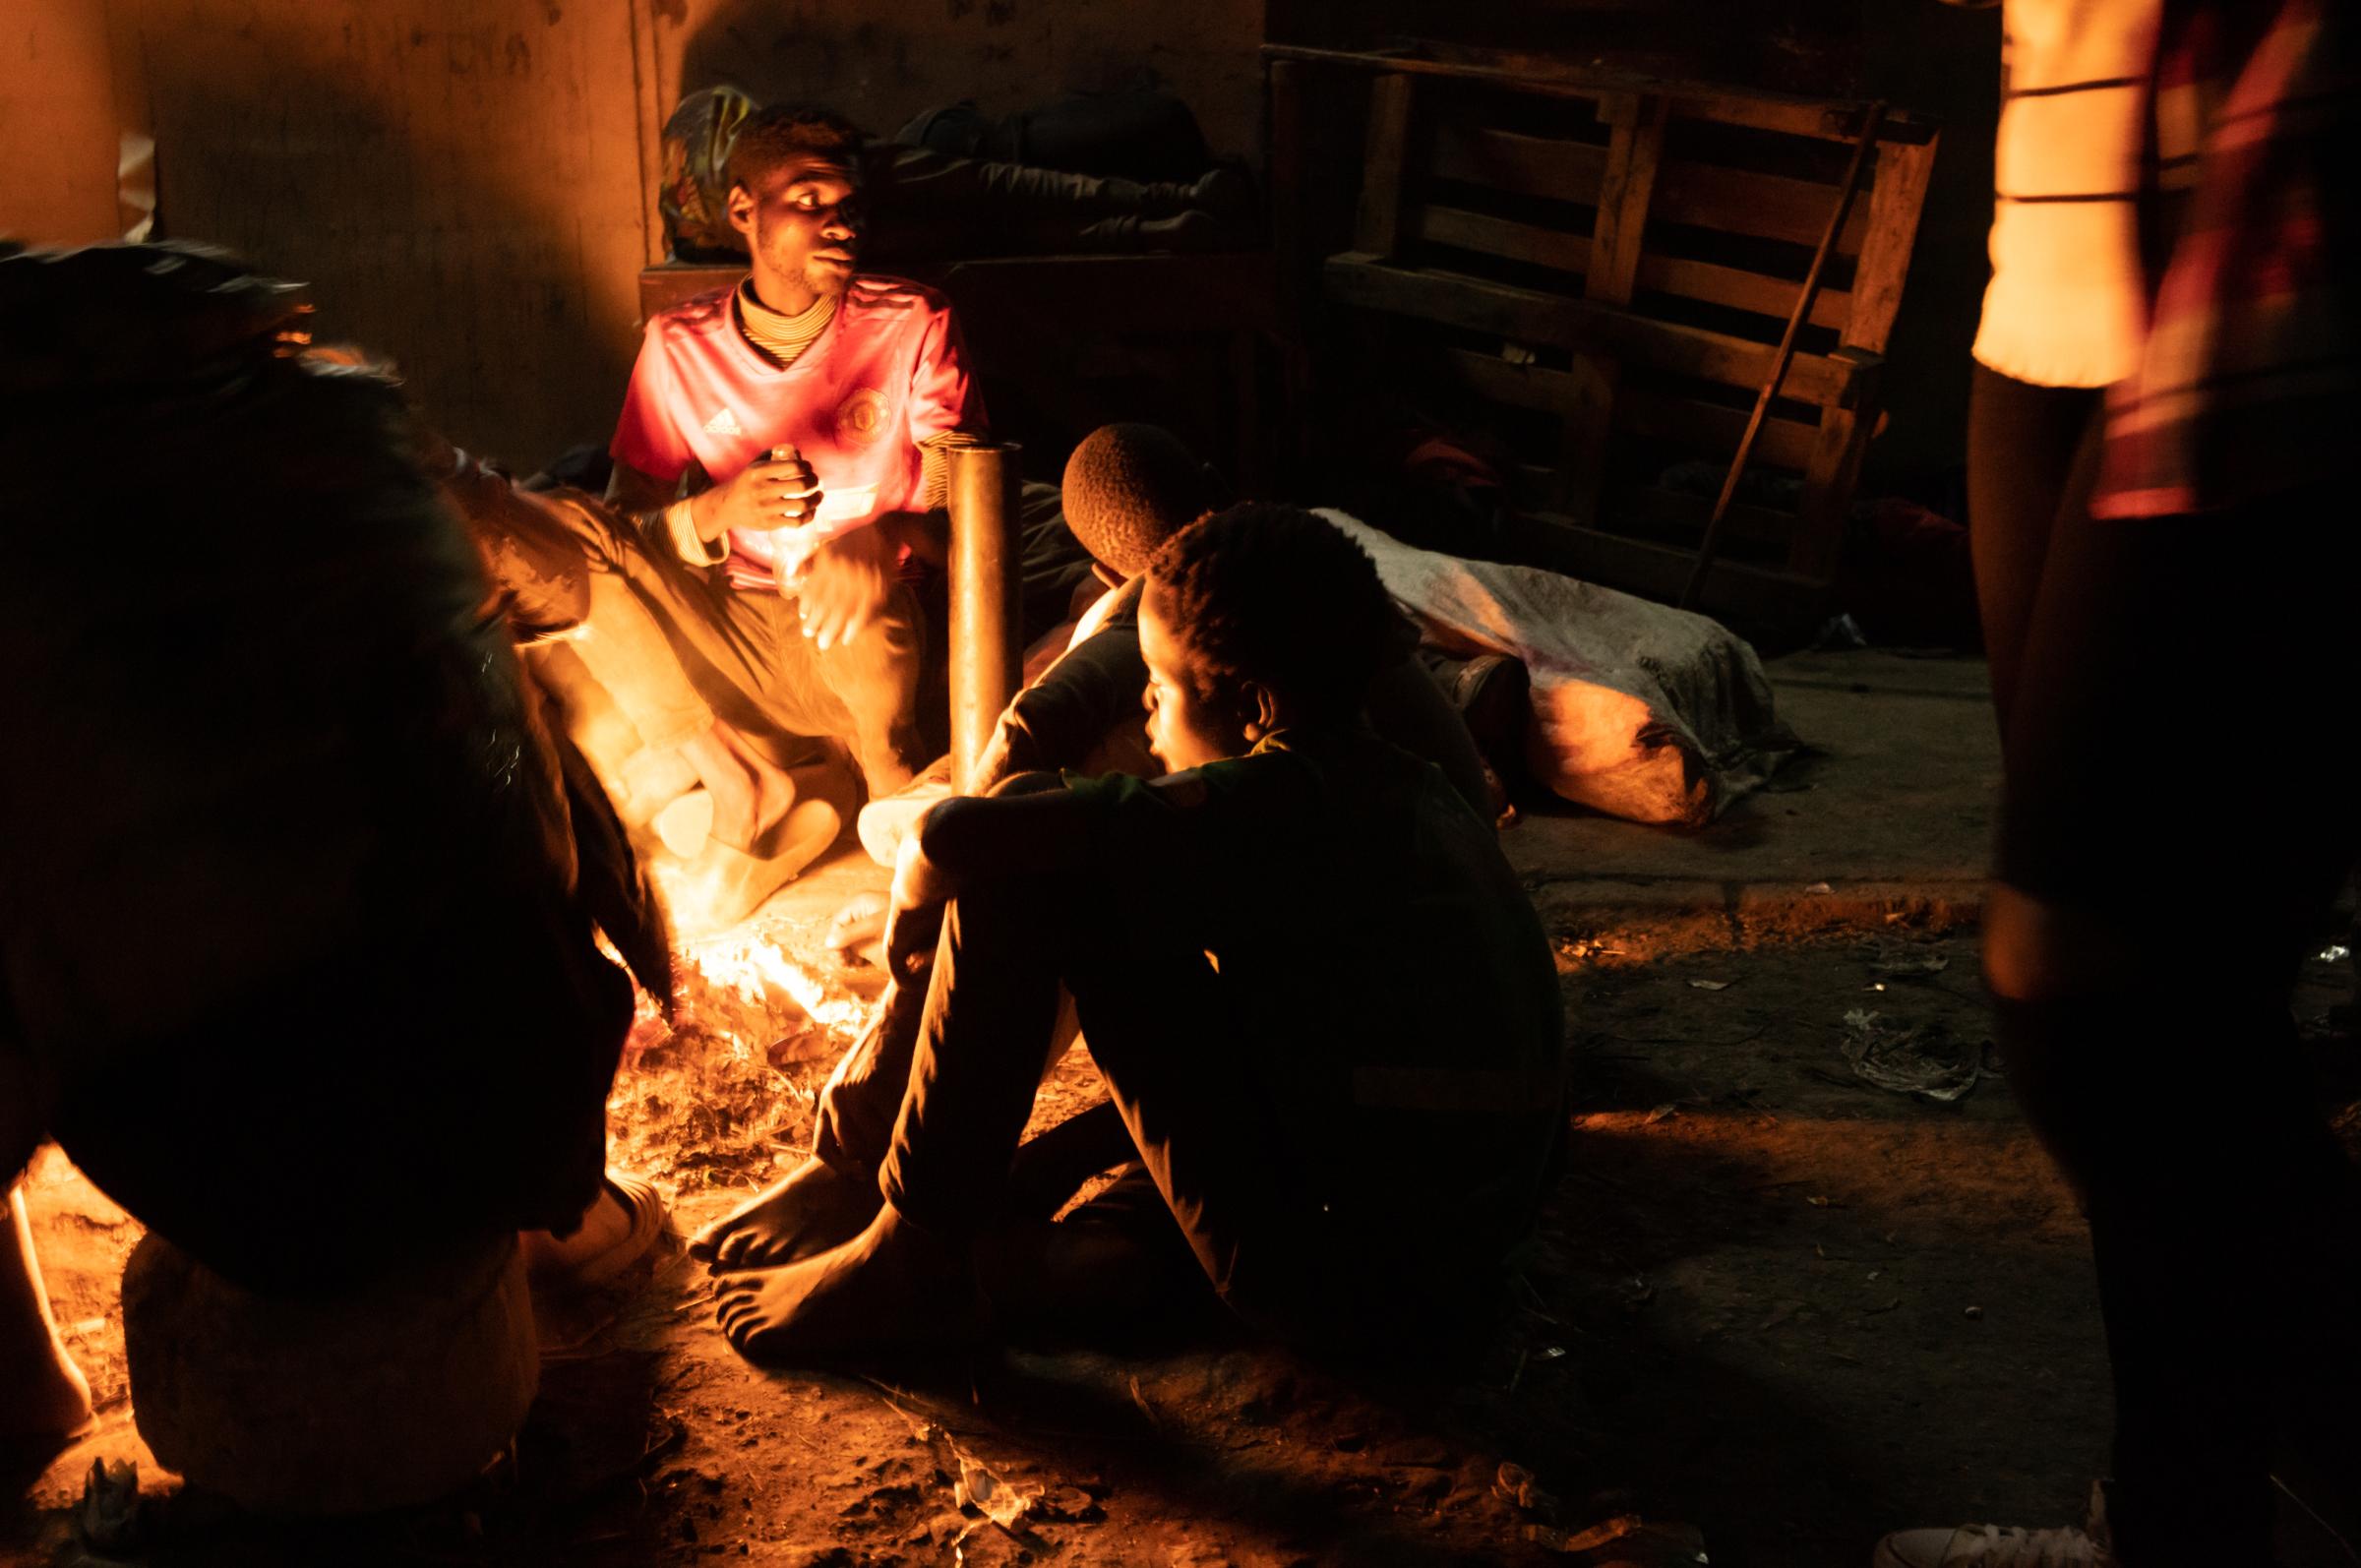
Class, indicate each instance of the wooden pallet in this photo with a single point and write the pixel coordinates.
(1612, 263)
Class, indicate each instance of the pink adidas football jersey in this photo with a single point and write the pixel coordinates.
(886, 373)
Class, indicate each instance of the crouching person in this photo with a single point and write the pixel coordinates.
(1315, 991)
(300, 902)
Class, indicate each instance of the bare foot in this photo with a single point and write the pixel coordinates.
(751, 794)
(815, 1207)
(891, 1286)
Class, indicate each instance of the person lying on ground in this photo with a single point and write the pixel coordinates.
(300, 902)
(1127, 489)
(781, 442)
(1299, 956)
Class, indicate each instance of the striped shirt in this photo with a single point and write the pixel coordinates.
(2064, 308)
(2170, 222)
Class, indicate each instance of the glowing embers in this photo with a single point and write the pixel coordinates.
(755, 967)
(722, 1095)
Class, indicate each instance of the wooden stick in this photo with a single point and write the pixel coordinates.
(1873, 118)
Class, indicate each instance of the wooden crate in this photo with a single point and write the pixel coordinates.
(1605, 267)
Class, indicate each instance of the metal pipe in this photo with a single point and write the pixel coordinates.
(986, 662)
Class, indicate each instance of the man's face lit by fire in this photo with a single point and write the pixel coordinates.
(802, 226)
(1189, 725)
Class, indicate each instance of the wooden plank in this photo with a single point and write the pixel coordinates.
(1829, 472)
(1708, 281)
(1702, 195)
(1535, 387)
(1821, 119)
(1834, 468)
(646, 74)
(1523, 314)
(1546, 166)
(1835, 120)
(1634, 149)
(1377, 225)
(1741, 289)
(1768, 205)
(1674, 509)
(1626, 187)
(1707, 428)
(1732, 590)
(1712, 430)
(1894, 205)
(1503, 237)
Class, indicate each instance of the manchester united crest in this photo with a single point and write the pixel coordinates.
(861, 417)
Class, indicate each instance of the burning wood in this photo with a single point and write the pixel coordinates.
(724, 1091)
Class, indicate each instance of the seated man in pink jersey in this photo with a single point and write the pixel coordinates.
(778, 442)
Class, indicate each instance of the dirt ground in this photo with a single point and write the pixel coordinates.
(1772, 1303)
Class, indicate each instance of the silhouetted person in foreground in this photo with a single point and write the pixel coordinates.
(299, 899)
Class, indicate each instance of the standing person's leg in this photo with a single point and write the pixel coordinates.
(2031, 457)
(2141, 950)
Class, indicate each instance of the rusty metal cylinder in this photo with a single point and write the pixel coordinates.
(986, 657)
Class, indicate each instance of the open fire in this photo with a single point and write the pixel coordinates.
(722, 1094)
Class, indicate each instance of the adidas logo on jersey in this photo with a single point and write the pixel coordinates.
(724, 423)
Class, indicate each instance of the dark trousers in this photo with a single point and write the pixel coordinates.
(937, 1096)
(676, 646)
(2180, 753)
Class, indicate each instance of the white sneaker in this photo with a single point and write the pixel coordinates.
(1993, 1546)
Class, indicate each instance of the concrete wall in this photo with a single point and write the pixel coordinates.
(58, 125)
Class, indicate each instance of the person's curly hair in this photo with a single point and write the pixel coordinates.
(1274, 594)
(1127, 489)
(770, 136)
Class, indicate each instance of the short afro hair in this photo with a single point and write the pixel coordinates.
(1278, 595)
(1127, 489)
(768, 138)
